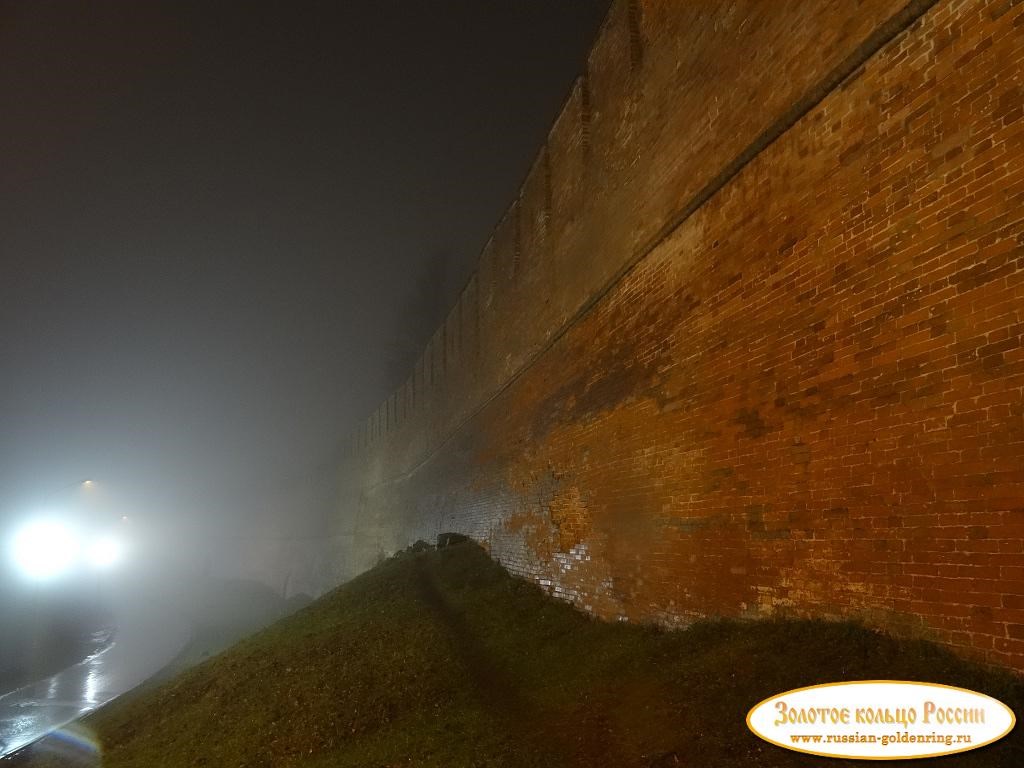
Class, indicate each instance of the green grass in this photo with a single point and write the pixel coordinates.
(223, 612)
(442, 659)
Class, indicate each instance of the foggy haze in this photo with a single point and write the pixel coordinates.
(217, 221)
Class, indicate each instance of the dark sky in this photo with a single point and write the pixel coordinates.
(213, 215)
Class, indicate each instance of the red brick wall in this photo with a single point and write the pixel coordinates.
(804, 395)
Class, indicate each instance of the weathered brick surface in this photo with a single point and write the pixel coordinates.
(807, 398)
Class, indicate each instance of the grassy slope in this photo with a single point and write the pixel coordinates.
(442, 659)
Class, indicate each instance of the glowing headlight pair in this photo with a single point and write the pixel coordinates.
(46, 549)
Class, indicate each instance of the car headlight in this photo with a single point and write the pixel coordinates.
(44, 549)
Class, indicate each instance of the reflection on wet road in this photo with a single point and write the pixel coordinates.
(146, 640)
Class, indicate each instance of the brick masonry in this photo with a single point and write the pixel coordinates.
(751, 339)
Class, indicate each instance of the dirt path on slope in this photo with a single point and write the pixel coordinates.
(496, 689)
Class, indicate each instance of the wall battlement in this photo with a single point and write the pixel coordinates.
(551, 241)
(748, 341)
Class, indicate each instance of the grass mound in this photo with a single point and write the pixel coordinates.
(440, 658)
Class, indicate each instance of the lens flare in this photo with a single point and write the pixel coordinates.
(44, 549)
(74, 746)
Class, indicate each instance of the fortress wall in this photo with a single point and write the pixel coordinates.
(698, 374)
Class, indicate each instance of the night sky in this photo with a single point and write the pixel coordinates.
(224, 226)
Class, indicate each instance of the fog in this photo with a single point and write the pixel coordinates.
(217, 221)
(226, 231)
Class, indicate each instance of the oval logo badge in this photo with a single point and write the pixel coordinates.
(881, 719)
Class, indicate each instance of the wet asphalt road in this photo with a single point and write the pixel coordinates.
(148, 637)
